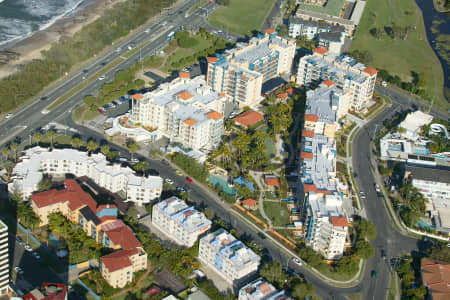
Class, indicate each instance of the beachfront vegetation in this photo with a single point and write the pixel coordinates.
(391, 37)
(241, 16)
(61, 57)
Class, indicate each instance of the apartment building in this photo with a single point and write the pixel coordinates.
(260, 289)
(329, 36)
(434, 184)
(344, 71)
(227, 256)
(182, 223)
(240, 72)
(327, 225)
(4, 261)
(185, 110)
(36, 161)
(101, 224)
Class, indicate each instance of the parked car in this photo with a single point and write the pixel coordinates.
(36, 255)
(180, 189)
(297, 261)
(179, 173)
(147, 30)
(9, 116)
(131, 46)
(19, 270)
(102, 78)
(135, 160)
(373, 274)
(188, 179)
(123, 159)
(168, 180)
(28, 248)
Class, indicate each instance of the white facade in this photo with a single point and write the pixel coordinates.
(38, 161)
(184, 110)
(226, 255)
(4, 261)
(413, 123)
(180, 222)
(328, 225)
(343, 70)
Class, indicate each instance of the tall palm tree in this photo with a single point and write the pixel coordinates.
(76, 142)
(132, 147)
(92, 146)
(14, 146)
(105, 149)
(5, 152)
(51, 134)
(37, 137)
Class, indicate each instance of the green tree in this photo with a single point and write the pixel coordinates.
(303, 291)
(132, 147)
(51, 134)
(5, 152)
(366, 229)
(209, 213)
(92, 146)
(37, 137)
(364, 249)
(14, 146)
(76, 142)
(44, 185)
(274, 273)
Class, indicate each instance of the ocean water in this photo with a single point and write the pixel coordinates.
(20, 18)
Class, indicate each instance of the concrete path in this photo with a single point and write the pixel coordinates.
(257, 176)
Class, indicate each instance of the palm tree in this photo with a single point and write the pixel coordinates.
(132, 147)
(92, 146)
(76, 142)
(51, 134)
(14, 147)
(105, 149)
(37, 137)
(5, 152)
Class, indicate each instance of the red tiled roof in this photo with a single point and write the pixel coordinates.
(117, 260)
(120, 234)
(211, 59)
(190, 122)
(370, 71)
(184, 75)
(269, 31)
(105, 219)
(307, 155)
(214, 115)
(308, 133)
(272, 181)
(153, 291)
(320, 50)
(436, 276)
(221, 95)
(137, 96)
(73, 194)
(328, 83)
(250, 202)
(185, 95)
(249, 118)
(290, 91)
(59, 294)
(282, 96)
(339, 221)
(311, 118)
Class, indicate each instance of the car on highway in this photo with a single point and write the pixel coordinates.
(377, 188)
(189, 179)
(179, 173)
(36, 255)
(104, 63)
(28, 248)
(297, 261)
(9, 116)
(168, 180)
(43, 98)
(118, 49)
(147, 30)
(131, 46)
(19, 270)
(102, 78)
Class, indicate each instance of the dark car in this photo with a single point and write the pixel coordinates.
(373, 274)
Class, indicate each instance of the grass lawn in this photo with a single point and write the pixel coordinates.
(333, 7)
(182, 52)
(242, 16)
(270, 151)
(400, 57)
(277, 212)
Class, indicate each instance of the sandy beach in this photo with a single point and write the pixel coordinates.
(31, 47)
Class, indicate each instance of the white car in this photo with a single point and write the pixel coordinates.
(9, 116)
(19, 270)
(297, 261)
(118, 49)
(102, 78)
(147, 30)
(28, 248)
(169, 181)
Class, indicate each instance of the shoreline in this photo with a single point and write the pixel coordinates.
(30, 48)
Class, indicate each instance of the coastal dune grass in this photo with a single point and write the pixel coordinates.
(401, 57)
(241, 16)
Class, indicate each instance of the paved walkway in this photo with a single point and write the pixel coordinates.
(257, 176)
(149, 269)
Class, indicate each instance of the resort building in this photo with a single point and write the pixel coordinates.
(185, 110)
(344, 71)
(327, 224)
(114, 177)
(227, 256)
(436, 277)
(99, 223)
(4, 261)
(260, 289)
(434, 185)
(240, 72)
(180, 222)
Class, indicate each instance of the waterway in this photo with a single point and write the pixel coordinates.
(437, 27)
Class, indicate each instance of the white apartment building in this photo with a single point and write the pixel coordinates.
(240, 72)
(343, 70)
(185, 110)
(37, 161)
(260, 289)
(4, 261)
(327, 225)
(182, 223)
(227, 256)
